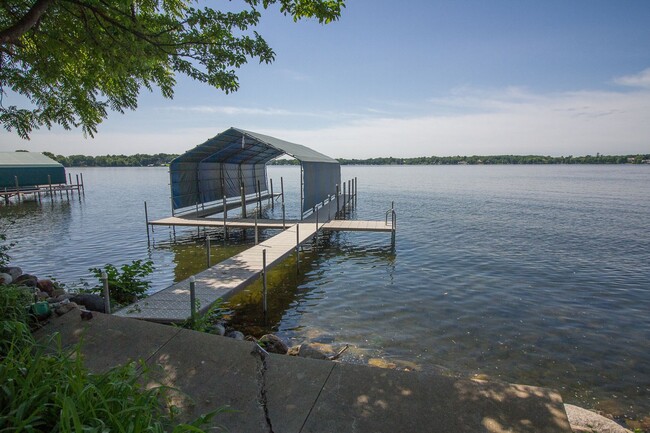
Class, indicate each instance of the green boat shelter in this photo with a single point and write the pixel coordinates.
(29, 169)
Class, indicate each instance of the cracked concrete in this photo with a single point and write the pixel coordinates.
(261, 355)
(271, 393)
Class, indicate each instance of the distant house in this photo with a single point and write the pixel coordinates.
(29, 169)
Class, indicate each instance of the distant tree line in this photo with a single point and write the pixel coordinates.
(492, 159)
(137, 160)
(501, 159)
(160, 159)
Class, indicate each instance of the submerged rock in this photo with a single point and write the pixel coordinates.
(382, 363)
(273, 344)
(306, 351)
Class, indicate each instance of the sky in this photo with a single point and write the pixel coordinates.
(415, 78)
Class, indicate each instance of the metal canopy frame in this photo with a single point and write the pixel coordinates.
(233, 165)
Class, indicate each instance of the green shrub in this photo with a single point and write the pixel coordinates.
(53, 392)
(4, 245)
(44, 388)
(126, 284)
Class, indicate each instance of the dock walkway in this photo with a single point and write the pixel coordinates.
(222, 280)
(232, 275)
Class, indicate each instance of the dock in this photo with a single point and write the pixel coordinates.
(227, 278)
(36, 192)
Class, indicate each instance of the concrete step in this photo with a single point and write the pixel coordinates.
(278, 393)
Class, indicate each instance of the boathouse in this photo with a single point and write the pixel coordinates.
(232, 165)
(29, 169)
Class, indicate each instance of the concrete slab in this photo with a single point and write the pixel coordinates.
(210, 372)
(361, 399)
(292, 387)
(108, 341)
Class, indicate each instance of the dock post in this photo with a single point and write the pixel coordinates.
(259, 198)
(198, 229)
(107, 298)
(207, 248)
(284, 225)
(337, 201)
(344, 200)
(83, 188)
(225, 217)
(256, 237)
(316, 235)
(297, 248)
(282, 189)
(146, 221)
(70, 178)
(193, 298)
(18, 187)
(243, 202)
(272, 197)
(264, 304)
(356, 191)
(78, 184)
(349, 195)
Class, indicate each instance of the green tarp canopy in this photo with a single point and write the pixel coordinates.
(236, 158)
(30, 168)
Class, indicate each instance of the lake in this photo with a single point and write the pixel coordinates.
(530, 274)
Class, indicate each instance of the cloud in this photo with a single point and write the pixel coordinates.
(229, 110)
(642, 79)
(496, 122)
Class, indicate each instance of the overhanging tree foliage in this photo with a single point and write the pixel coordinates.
(76, 59)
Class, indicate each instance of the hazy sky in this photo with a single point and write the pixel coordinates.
(416, 78)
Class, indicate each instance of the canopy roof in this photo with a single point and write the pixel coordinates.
(26, 159)
(236, 159)
(237, 146)
(29, 169)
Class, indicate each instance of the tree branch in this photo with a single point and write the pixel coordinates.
(11, 34)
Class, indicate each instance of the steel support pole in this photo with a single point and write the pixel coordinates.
(297, 248)
(272, 197)
(146, 221)
(264, 298)
(243, 202)
(225, 217)
(338, 207)
(207, 248)
(107, 298)
(18, 187)
(193, 299)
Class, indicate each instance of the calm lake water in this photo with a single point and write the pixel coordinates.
(530, 274)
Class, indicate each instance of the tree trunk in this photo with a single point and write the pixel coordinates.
(11, 34)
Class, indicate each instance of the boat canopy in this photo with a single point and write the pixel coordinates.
(29, 169)
(236, 159)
